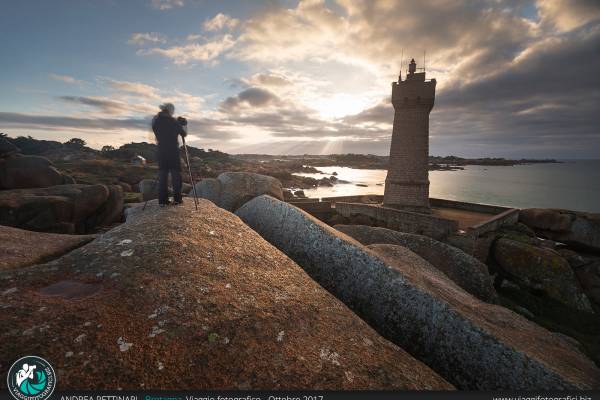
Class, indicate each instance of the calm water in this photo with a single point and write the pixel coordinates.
(573, 185)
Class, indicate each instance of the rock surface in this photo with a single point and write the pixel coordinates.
(21, 172)
(179, 299)
(541, 268)
(572, 227)
(60, 209)
(20, 248)
(402, 255)
(230, 190)
(465, 270)
(473, 344)
(7, 149)
(589, 278)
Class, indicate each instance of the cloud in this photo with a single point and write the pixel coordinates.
(167, 4)
(569, 14)
(508, 80)
(134, 88)
(514, 78)
(66, 79)
(110, 106)
(203, 128)
(252, 97)
(206, 52)
(104, 104)
(382, 113)
(269, 79)
(140, 38)
(32, 121)
(220, 22)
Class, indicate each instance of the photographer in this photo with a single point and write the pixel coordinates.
(167, 130)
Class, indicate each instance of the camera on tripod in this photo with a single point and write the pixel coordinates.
(182, 121)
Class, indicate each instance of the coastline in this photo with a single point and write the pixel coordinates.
(568, 184)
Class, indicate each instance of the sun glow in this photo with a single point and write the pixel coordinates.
(340, 105)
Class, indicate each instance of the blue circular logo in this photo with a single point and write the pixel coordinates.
(31, 378)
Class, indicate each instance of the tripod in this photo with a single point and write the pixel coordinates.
(187, 161)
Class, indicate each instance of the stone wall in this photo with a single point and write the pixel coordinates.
(462, 205)
(319, 209)
(399, 220)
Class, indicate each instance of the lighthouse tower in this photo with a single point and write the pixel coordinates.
(407, 181)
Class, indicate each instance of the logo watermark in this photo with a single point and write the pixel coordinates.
(31, 378)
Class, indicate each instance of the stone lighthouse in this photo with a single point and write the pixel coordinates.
(407, 181)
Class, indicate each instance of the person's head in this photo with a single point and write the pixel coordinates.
(167, 107)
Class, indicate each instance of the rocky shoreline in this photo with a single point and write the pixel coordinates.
(370, 161)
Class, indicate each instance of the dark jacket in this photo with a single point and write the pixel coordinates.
(167, 129)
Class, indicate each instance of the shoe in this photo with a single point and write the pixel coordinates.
(177, 202)
(164, 204)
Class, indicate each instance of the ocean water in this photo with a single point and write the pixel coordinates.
(572, 184)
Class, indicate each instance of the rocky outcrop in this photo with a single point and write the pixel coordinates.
(21, 248)
(179, 299)
(125, 186)
(7, 149)
(465, 270)
(230, 190)
(400, 254)
(589, 277)
(21, 172)
(112, 209)
(541, 268)
(62, 208)
(572, 227)
(473, 344)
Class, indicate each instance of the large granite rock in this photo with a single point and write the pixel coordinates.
(572, 227)
(149, 189)
(589, 278)
(541, 268)
(232, 189)
(402, 255)
(21, 248)
(179, 299)
(22, 172)
(62, 208)
(473, 344)
(465, 270)
(112, 210)
(7, 149)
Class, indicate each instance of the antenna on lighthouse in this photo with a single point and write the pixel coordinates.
(401, 59)
(424, 51)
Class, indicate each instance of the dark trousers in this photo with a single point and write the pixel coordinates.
(165, 168)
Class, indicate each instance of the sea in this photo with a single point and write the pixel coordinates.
(570, 184)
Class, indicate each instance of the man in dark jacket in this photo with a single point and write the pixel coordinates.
(167, 131)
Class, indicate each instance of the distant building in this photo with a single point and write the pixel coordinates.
(407, 181)
(138, 160)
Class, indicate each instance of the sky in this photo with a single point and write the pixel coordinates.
(514, 78)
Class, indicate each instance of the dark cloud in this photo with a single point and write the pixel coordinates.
(61, 122)
(108, 106)
(381, 113)
(253, 97)
(203, 128)
(544, 104)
